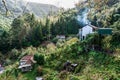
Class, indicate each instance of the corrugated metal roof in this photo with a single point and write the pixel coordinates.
(105, 31)
(27, 57)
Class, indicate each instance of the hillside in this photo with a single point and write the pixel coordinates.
(20, 7)
(104, 14)
(17, 7)
(5, 23)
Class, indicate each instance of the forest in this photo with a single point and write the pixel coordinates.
(97, 57)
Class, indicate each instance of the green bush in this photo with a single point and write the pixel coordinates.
(63, 75)
(14, 53)
(54, 40)
(93, 53)
(106, 42)
(51, 76)
(71, 77)
(39, 58)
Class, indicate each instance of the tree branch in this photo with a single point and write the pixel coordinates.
(4, 3)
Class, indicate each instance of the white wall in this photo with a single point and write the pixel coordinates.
(85, 31)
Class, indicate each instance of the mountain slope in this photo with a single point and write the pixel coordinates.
(18, 7)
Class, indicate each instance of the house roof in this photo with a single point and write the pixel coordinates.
(94, 27)
(105, 30)
(29, 62)
(27, 57)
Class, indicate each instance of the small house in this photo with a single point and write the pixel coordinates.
(84, 31)
(62, 37)
(26, 63)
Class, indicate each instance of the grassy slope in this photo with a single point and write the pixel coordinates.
(91, 66)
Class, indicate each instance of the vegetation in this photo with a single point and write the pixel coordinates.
(91, 64)
(39, 58)
(26, 30)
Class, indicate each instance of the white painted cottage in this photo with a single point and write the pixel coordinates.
(84, 31)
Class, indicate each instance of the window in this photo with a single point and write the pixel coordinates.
(22, 62)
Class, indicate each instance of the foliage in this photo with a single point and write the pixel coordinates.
(103, 13)
(106, 42)
(72, 41)
(93, 39)
(14, 53)
(21, 28)
(89, 63)
(26, 30)
(72, 77)
(115, 40)
(117, 54)
(39, 58)
(63, 75)
(108, 17)
(51, 76)
(4, 42)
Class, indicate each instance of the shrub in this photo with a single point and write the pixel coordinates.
(60, 43)
(106, 42)
(63, 75)
(80, 67)
(92, 39)
(39, 58)
(8, 62)
(14, 53)
(54, 40)
(39, 71)
(71, 77)
(117, 53)
(72, 41)
(51, 47)
(51, 76)
(115, 39)
(1, 57)
(93, 53)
